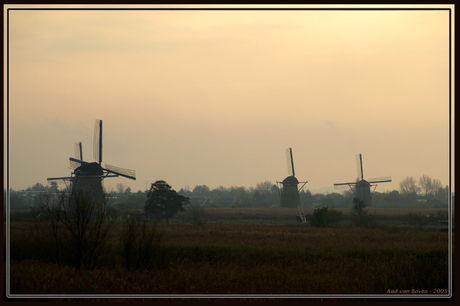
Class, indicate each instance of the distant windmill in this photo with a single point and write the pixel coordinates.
(87, 176)
(362, 188)
(290, 192)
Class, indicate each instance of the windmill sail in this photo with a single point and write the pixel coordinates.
(78, 151)
(121, 171)
(383, 179)
(97, 141)
(290, 162)
(75, 163)
(87, 176)
(289, 195)
(361, 188)
(359, 165)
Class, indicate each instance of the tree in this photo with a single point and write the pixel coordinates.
(264, 186)
(53, 187)
(391, 200)
(17, 201)
(85, 221)
(121, 188)
(359, 214)
(72, 229)
(426, 184)
(429, 186)
(163, 202)
(36, 187)
(201, 190)
(436, 185)
(140, 242)
(409, 186)
(328, 200)
(358, 207)
(47, 224)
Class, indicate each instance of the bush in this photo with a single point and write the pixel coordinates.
(72, 230)
(416, 219)
(196, 213)
(323, 217)
(140, 243)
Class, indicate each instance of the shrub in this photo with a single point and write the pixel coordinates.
(325, 217)
(140, 243)
(196, 213)
(416, 219)
(72, 230)
(360, 217)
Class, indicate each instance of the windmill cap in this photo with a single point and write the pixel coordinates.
(90, 169)
(290, 180)
(363, 183)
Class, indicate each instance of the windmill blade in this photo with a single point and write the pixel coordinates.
(128, 173)
(75, 163)
(68, 178)
(340, 184)
(290, 162)
(97, 141)
(359, 164)
(78, 151)
(383, 179)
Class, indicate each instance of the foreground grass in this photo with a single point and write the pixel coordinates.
(252, 258)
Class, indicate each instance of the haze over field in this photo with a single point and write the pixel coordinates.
(214, 97)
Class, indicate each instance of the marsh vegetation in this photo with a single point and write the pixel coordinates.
(244, 251)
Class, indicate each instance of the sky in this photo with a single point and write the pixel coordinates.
(215, 97)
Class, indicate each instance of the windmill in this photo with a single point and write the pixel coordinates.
(87, 176)
(362, 187)
(290, 192)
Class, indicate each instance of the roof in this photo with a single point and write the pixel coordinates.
(290, 180)
(89, 169)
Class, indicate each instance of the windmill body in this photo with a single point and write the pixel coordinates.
(363, 191)
(87, 182)
(290, 192)
(362, 188)
(86, 179)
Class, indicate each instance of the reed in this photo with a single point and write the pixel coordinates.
(246, 258)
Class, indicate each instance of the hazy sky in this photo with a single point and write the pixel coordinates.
(206, 97)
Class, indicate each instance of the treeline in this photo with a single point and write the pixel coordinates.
(422, 193)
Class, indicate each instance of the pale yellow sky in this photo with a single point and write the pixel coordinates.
(215, 97)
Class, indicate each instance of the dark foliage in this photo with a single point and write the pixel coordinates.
(325, 217)
(163, 202)
(360, 216)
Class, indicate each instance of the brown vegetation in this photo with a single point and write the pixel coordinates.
(246, 256)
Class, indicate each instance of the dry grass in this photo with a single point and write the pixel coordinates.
(288, 214)
(290, 236)
(234, 257)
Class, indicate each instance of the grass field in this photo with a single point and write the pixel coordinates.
(252, 251)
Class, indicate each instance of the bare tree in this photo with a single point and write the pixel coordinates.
(264, 186)
(409, 186)
(87, 228)
(72, 229)
(436, 184)
(47, 223)
(426, 184)
(121, 188)
(429, 186)
(140, 242)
